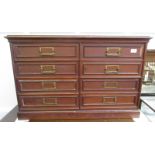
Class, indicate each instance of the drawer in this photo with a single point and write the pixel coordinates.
(109, 100)
(107, 51)
(44, 85)
(48, 102)
(111, 68)
(44, 51)
(110, 84)
(47, 68)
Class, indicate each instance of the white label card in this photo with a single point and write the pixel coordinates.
(133, 50)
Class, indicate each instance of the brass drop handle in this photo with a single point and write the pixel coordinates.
(47, 51)
(113, 51)
(49, 102)
(112, 69)
(109, 100)
(48, 69)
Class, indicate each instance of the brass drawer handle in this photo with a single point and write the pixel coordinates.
(49, 85)
(48, 69)
(47, 51)
(113, 51)
(110, 84)
(109, 99)
(112, 69)
(50, 103)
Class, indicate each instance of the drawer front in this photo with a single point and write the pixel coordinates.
(106, 69)
(51, 51)
(103, 51)
(48, 102)
(47, 85)
(110, 84)
(109, 101)
(46, 69)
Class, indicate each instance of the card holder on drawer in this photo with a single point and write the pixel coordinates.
(48, 101)
(112, 69)
(109, 100)
(48, 69)
(47, 51)
(113, 52)
(110, 85)
(49, 85)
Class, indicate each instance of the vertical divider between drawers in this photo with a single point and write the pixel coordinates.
(79, 76)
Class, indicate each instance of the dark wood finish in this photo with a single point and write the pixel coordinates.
(55, 68)
(110, 84)
(108, 101)
(78, 114)
(43, 52)
(112, 51)
(44, 85)
(52, 102)
(111, 68)
(77, 77)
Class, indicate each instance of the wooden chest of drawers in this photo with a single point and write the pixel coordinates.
(77, 77)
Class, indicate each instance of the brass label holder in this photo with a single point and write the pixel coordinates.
(48, 69)
(109, 100)
(49, 85)
(47, 51)
(112, 69)
(55, 102)
(113, 51)
(110, 84)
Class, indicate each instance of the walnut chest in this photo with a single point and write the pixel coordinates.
(77, 77)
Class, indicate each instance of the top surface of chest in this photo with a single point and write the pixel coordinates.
(78, 38)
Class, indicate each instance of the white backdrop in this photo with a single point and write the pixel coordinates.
(121, 17)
